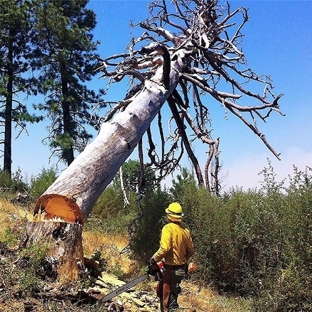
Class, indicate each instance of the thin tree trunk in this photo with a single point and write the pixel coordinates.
(7, 156)
(68, 152)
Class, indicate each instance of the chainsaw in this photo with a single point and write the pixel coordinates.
(154, 269)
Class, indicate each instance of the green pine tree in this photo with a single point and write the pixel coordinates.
(65, 63)
(15, 81)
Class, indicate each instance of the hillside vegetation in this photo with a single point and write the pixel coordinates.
(253, 249)
(21, 278)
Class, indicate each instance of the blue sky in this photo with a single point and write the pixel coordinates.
(277, 42)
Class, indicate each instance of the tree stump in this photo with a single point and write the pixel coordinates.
(64, 240)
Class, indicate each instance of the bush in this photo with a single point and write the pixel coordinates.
(5, 180)
(108, 204)
(259, 243)
(42, 181)
(290, 286)
(31, 271)
(146, 231)
(215, 246)
(9, 238)
(12, 185)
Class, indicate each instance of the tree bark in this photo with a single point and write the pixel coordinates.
(72, 196)
(64, 241)
(7, 155)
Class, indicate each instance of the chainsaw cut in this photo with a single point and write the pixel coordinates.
(154, 269)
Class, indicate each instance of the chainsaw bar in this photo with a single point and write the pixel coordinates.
(123, 288)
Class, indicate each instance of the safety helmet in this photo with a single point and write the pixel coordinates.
(174, 211)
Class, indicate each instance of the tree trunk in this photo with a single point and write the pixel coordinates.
(72, 196)
(64, 241)
(7, 155)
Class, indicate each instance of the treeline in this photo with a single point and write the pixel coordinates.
(254, 243)
(47, 53)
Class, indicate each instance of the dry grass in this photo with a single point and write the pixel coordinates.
(110, 248)
(13, 219)
(9, 213)
(193, 296)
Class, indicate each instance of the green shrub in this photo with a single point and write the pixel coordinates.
(245, 241)
(109, 204)
(276, 229)
(255, 243)
(35, 254)
(18, 185)
(146, 230)
(215, 246)
(32, 268)
(42, 181)
(28, 282)
(288, 290)
(9, 238)
(5, 180)
(11, 185)
(111, 215)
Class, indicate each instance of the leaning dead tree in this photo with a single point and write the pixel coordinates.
(206, 38)
(188, 58)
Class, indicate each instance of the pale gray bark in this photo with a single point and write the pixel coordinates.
(124, 193)
(90, 173)
(64, 240)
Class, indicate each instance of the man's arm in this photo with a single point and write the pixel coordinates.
(165, 244)
(189, 247)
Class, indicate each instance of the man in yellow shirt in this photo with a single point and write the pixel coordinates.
(176, 247)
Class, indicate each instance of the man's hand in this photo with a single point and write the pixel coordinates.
(153, 267)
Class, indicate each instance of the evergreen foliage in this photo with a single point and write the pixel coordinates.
(109, 203)
(42, 181)
(147, 234)
(16, 53)
(14, 184)
(65, 61)
(47, 48)
(131, 178)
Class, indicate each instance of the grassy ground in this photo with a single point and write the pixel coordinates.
(15, 296)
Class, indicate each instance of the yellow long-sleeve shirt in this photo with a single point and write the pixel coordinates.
(176, 245)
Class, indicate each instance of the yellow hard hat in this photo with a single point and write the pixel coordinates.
(174, 210)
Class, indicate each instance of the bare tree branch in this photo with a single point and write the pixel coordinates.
(207, 36)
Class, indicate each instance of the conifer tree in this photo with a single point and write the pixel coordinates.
(15, 82)
(65, 62)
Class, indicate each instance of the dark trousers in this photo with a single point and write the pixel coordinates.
(169, 287)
